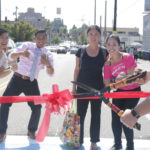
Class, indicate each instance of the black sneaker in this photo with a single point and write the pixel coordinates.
(127, 148)
(115, 147)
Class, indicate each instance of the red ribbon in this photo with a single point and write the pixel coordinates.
(61, 99)
(138, 94)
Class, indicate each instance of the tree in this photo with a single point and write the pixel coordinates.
(6, 26)
(79, 34)
(56, 40)
(22, 31)
(82, 39)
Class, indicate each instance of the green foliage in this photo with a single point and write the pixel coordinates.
(79, 34)
(6, 26)
(56, 40)
(82, 38)
(23, 31)
(57, 33)
(20, 31)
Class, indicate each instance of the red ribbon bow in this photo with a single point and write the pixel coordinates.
(55, 101)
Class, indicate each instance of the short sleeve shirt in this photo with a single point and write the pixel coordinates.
(120, 69)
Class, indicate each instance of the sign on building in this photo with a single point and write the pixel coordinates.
(146, 25)
(58, 11)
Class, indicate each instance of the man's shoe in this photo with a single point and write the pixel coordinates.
(31, 134)
(115, 147)
(2, 137)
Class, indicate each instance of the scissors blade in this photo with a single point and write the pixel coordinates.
(81, 95)
(85, 87)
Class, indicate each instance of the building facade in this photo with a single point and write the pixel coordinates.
(127, 35)
(35, 19)
(146, 26)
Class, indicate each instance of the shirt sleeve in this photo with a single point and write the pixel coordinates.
(19, 49)
(107, 72)
(50, 56)
(78, 52)
(130, 62)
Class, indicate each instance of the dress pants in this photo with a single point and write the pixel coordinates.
(117, 126)
(16, 86)
(82, 106)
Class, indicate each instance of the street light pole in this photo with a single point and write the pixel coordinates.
(115, 17)
(95, 13)
(0, 13)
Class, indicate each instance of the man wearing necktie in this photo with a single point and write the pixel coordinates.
(32, 58)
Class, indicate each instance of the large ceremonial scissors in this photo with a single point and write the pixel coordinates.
(100, 93)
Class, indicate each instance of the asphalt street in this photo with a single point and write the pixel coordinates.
(64, 67)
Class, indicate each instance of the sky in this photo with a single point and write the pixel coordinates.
(129, 12)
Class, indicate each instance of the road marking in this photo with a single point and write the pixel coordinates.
(3, 85)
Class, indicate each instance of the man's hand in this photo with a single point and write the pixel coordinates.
(128, 119)
(26, 53)
(14, 67)
(45, 60)
(2, 69)
(140, 81)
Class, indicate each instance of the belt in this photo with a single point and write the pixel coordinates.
(22, 76)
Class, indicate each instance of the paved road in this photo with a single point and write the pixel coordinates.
(64, 66)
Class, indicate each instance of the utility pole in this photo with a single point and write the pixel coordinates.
(95, 13)
(100, 22)
(0, 13)
(115, 17)
(16, 13)
(105, 19)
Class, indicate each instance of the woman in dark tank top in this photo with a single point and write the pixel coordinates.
(88, 70)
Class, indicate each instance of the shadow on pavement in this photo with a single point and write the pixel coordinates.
(63, 147)
(81, 148)
(33, 145)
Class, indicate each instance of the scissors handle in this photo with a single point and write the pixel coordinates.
(128, 80)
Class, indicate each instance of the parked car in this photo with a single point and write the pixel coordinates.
(19, 44)
(11, 46)
(73, 50)
(61, 49)
(52, 48)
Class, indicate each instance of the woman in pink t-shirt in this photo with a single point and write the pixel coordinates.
(118, 66)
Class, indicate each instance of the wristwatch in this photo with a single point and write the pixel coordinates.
(135, 114)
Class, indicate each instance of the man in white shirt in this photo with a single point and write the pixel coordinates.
(4, 69)
(32, 58)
